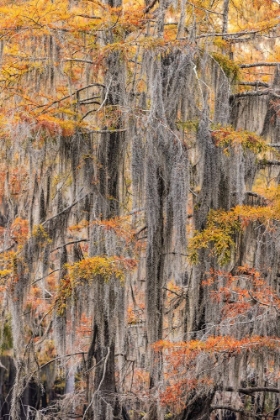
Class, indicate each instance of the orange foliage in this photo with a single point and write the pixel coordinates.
(242, 291)
(20, 230)
(181, 358)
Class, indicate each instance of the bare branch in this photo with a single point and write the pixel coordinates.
(223, 34)
(118, 130)
(69, 243)
(257, 83)
(150, 6)
(260, 64)
(48, 106)
(79, 60)
(265, 162)
(65, 210)
(204, 9)
(229, 408)
(61, 357)
(89, 16)
(255, 93)
(250, 391)
(47, 275)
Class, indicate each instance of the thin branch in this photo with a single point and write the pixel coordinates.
(61, 357)
(106, 95)
(223, 34)
(250, 391)
(66, 209)
(79, 60)
(204, 9)
(255, 93)
(118, 130)
(45, 335)
(69, 243)
(172, 291)
(135, 211)
(258, 301)
(141, 230)
(101, 105)
(100, 383)
(150, 6)
(229, 408)
(260, 64)
(257, 83)
(104, 369)
(7, 249)
(193, 193)
(47, 106)
(89, 16)
(47, 275)
(269, 162)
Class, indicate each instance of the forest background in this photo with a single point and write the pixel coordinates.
(139, 209)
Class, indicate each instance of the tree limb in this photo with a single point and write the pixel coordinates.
(269, 162)
(260, 64)
(69, 243)
(255, 93)
(257, 83)
(66, 209)
(229, 408)
(225, 34)
(150, 6)
(250, 391)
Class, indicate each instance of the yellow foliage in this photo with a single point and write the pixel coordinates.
(104, 267)
(40, 233)
(227, 136)
(88, 269)
(222, 225)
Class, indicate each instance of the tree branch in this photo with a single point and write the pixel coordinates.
(69, 243)
(225, 34)
(257, 84)
(118, 130)
(150, 6)
(229, 408)
(250, 391)
(61, 357)
(66, 209)
(79, 60)
(269, 162)
(260, 64)
(255, 93)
